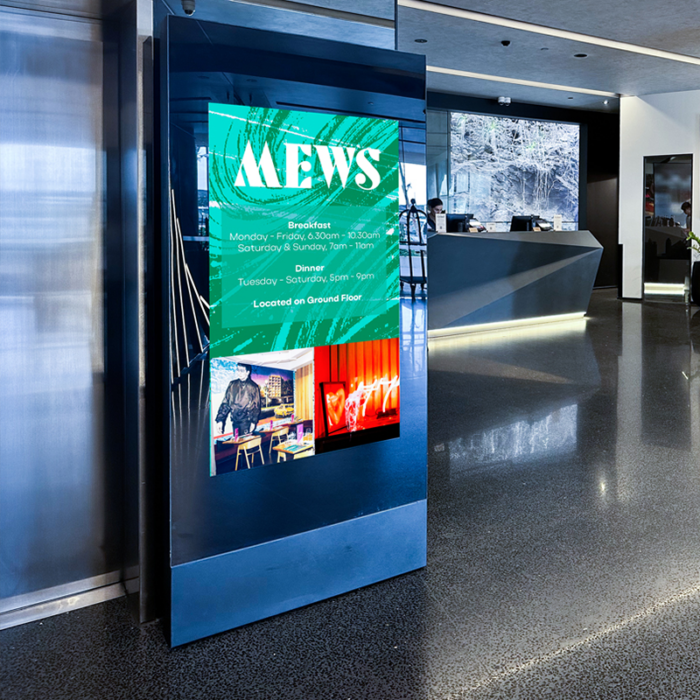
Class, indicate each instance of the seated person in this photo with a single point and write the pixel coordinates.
(435, 206)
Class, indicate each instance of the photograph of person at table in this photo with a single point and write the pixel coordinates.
(242, 402)
(269, 398)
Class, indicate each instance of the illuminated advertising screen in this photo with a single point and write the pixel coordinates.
(304, 284)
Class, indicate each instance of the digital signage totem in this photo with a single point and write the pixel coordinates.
(304, 284)
(295, 416)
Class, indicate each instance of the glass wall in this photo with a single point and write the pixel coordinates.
(496, 167)
(411, 167)
(412, 190)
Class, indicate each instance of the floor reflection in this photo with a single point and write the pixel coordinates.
(413, 337)
(565, 485)
(517, 390)
(523, 440)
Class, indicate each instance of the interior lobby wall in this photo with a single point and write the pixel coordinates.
(663, 124)
(598, 201)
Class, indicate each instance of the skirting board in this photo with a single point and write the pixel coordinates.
(233, 589)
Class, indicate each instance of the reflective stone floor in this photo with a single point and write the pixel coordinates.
(564, 547)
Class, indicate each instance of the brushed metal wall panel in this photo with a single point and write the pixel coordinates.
(55, 518)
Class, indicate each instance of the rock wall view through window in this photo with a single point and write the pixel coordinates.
(499, 167)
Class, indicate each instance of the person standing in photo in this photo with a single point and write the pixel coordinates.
(242, 401)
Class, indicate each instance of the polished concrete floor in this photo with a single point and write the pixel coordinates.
(564, 547)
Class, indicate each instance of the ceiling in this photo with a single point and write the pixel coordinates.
(673, 25)
(473, 44)
(467, 44)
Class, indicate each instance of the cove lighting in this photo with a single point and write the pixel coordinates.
(438, 333)
(488, 340)
(518, 81)
(665, 289)
(546, 31)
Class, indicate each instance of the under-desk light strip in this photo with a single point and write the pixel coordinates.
(546, 31)
(515, 324)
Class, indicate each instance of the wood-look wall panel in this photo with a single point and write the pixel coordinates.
(304, 392)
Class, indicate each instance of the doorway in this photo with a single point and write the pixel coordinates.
(667, 210)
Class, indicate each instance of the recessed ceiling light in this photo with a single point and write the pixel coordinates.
(606, 102)
(569, 98)
(580, 55)
(421, 41)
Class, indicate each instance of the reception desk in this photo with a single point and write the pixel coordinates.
(476, 279)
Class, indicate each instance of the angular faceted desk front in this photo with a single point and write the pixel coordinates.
(492, 278)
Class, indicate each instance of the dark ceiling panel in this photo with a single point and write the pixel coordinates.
(246, 14)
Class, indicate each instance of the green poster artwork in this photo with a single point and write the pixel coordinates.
(303, 226)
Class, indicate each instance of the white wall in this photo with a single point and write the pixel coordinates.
(653, 125)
